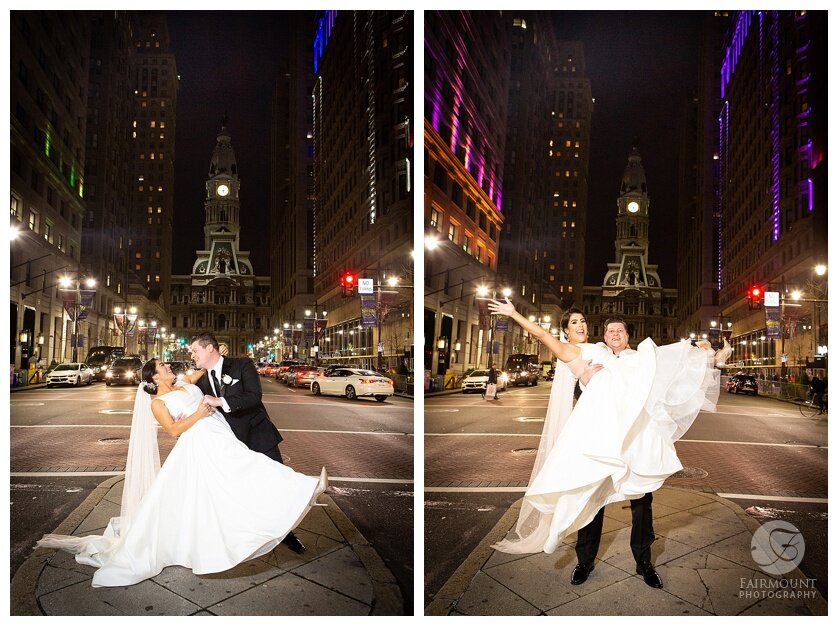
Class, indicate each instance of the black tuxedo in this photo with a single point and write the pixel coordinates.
(247, 417)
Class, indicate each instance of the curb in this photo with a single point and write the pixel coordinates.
(450, 593)
(23, 600)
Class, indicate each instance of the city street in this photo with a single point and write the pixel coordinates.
(758, 452)
(64, 442)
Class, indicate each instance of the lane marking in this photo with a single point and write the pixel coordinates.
(332, 479)
(27, 403)
(285, 430)
(740, 443)
(116, 411)
(442, 410)
(750, 496)
(747, 496)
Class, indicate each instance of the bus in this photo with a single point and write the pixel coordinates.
(522, 369)
(99, 359)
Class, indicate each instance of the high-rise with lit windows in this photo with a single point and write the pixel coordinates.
(50, 54)
(155, 89)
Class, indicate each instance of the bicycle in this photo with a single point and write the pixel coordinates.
(810, 407)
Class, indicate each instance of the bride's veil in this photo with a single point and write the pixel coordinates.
(141, 468)
(533, 526)
(143, 462)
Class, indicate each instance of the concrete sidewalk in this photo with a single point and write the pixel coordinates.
(702, 552)
(339, 574)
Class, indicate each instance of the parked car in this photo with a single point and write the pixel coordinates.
(279, 370)
(477, 380)
(742, 383)
(551, 373)
(124, 371)
(70, 374)
(522, 369)
(354, 383)
(303, 376)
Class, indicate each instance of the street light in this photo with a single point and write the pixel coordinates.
(66, 282)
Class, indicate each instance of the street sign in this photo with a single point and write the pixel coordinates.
(772, 298)
(365, 285)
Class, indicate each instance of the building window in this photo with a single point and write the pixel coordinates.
(435, 218)
(34, 223)
(17, 207)
(453, 231)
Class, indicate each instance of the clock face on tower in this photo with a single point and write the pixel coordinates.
(223, 190)
(633, 207)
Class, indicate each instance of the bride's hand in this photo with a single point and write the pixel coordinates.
(496, 307)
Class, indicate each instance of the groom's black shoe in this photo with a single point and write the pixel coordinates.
(580, 573)
(650, 576)
(294, 544)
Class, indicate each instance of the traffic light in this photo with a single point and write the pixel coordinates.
(348, 282)
(754, 297)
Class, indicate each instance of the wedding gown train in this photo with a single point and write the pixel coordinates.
(214, 504)
(618, 443)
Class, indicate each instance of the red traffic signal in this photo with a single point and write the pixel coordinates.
(754, 296)
(348, 282)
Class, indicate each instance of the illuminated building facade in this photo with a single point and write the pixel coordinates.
(467, 60)
(363, 125)
(773, 161)
(50, 54)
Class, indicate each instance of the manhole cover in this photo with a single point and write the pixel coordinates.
(109, 440)
(525, 451)
(529, 419)
(690, 472)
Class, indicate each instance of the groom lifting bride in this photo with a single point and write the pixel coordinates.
(232, 385)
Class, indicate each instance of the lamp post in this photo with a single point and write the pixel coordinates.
(67, 284)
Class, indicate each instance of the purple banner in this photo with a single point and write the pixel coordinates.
(368, 310)
(484, 317)
(386, 301)
(501, 322)
(772, 322)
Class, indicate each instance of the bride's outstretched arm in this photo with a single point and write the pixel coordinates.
(564, 351)
(167, 422)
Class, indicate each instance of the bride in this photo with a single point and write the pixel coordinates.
(618, 443)
(212, 505)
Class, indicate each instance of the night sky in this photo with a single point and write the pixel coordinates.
(227, 63)
(642, 66)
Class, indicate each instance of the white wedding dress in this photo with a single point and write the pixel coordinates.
(214, 504)
(618, 443)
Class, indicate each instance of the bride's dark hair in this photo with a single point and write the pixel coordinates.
(148, 371)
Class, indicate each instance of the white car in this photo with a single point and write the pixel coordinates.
(70, 374)
(354, 383)
(478, 379)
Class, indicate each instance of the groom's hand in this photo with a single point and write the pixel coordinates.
(212, 400)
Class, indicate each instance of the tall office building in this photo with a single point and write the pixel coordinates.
(467, 64)
(109, 162)
(699, 200)
(50, 54)
(363, 213)
(563, 257)
(292, 185)
(155, 87)
(773, 160)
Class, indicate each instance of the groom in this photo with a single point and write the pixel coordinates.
(642, 533)
(232, 385)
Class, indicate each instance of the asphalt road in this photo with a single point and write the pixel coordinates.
(366, 446)
(479, 455)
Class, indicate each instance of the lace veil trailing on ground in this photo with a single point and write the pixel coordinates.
(141, 468)
(533, 526)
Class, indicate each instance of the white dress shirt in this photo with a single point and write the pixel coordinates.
(217, 370)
